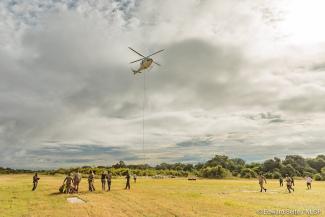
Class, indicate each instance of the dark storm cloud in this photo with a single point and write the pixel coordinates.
(198, 69)
(80, 150)
(194, 142)
(79, 161)
(277, 120)
(62, 155)
(273, 118)
(305, 103)
(259, 153)
(318, 67)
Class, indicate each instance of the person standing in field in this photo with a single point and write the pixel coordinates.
(127, 185)
(68, 182)
(109, 180)
(103, 180)
(135, 178)
(91, 178)
(261, 180)
(289, 183)
(309, 180)
(35, 181)
(76, 181)
(281, 181)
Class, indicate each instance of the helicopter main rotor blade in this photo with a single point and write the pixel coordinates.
(136, 60)
(136, 52)
(156, 52)
(156, 63)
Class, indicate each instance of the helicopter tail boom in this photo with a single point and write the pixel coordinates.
(136, 71)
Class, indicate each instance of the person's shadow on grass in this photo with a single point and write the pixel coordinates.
(55, 194)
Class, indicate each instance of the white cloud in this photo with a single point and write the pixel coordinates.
(65, 78)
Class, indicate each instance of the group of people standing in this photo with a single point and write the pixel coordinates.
(107, 177)
(289, 180)
(71, 182)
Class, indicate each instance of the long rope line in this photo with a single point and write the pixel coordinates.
(143, 111)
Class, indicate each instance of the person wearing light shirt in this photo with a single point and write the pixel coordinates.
(309, 180)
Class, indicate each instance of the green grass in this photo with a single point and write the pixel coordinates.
(150, 197)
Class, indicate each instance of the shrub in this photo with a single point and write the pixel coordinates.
(322, 173)
(268, 175)
(317, 177)
(308, 174)
(217, 172)
(276, 175)
(247, 173)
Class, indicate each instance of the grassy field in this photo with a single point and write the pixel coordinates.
(150, 197)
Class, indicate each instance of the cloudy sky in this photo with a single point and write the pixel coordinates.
(241, 78)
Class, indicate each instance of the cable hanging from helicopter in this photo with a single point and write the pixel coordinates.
(146, 62)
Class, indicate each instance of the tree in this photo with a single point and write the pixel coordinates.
(238, 161)
(217, 172)
(322, 173)
(120, 164)
(297, 162)
(221, 160)
(288, 169)
(317, 163)
(276, 175)
(317, 177)
(247, 173)
(269, 165)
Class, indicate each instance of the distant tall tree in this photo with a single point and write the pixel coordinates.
(317, 163)
(221, 160)
(297, 162)
(288, 169)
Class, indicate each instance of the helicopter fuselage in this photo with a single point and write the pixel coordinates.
(145, 63)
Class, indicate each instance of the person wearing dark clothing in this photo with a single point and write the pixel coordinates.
(91, 178)
(281, 181)
(127, 185)
(35, 181)
(109, 181)
(76, 181)
(289, 183)
(103, 179)
(68, 183)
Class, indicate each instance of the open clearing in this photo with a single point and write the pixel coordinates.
(154, 197)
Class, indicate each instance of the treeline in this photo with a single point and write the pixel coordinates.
(220, 166)
(13, 171)
(293, 165)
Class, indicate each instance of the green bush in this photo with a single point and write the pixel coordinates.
(247, 173)
(307, 174)
(276, 175)
(317, 177)
(217, 172)
(268, 175)
(322, 173)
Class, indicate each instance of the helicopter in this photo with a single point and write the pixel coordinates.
(146, 61)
